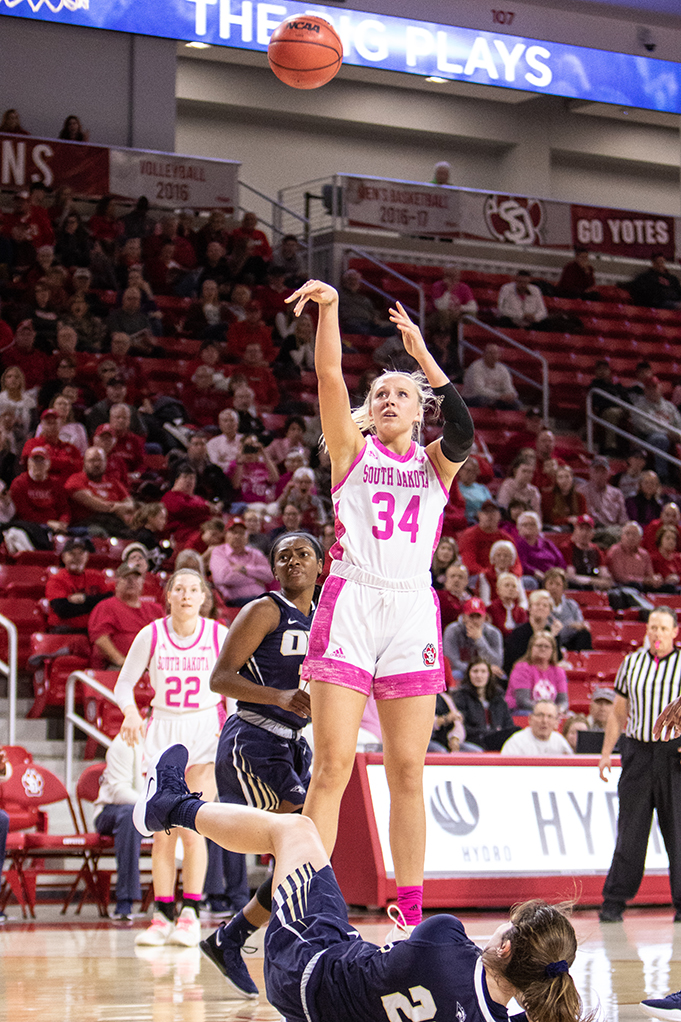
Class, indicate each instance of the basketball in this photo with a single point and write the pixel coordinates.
(305, 51)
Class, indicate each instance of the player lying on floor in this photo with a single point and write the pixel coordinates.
(318, 968)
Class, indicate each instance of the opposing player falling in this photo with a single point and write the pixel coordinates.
(318, 968)
(377, 626)
(180, 651)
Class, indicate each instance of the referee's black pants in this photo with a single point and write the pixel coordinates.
(650, 779)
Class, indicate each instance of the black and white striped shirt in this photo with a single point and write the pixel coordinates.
(649, 684)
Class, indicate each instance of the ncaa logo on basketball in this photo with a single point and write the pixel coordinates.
(32, 782)
(458, 814)
(304, 26)
(429, 655)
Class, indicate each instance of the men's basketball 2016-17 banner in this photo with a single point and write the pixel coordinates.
(442, 211)
(165, 179)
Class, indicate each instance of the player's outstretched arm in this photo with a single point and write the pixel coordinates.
(136, 663)
(343, 438)
(251, 625)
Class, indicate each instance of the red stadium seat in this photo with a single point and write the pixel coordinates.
(51, 671)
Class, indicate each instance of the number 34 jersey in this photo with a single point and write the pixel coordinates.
(389, 511)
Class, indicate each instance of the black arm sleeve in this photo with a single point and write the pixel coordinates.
(64, 609)
(458, 430)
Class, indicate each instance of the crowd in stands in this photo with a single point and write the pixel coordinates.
(157, 391)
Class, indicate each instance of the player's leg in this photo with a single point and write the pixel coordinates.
(336, 714)
(406, 726)
(163, 878)
(187, 932)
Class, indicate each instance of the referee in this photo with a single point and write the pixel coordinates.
(646, 683)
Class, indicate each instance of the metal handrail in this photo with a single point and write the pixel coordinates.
(593, 417)
(10, 671)
(543, 386)
(279, 208)
(72, 720)
(421, 311)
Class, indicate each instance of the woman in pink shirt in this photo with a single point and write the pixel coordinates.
(239, 571)
(537, 676)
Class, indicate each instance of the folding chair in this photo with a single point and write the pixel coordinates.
(104, 714)
(53, 658)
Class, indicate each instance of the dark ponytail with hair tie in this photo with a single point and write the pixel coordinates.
(554, 969)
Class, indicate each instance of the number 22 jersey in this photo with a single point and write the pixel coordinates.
(389, 510)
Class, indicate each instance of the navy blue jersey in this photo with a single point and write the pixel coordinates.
(318, 968)
(277, 661)
(436, 974)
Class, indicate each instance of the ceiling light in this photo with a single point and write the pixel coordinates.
(434, 78)
(198, 46)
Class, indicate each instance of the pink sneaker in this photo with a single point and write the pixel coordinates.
(157, 934)
(187, 930)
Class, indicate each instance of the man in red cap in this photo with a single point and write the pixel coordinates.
(65, 459)
(585, 561)
(38, 497)
(471, 638)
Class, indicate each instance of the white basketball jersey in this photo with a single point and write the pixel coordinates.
(180, 668)
(389, 512)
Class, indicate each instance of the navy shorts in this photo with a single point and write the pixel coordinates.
(254, 767)
(309, 915)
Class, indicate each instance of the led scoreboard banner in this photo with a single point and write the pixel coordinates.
(394, 44)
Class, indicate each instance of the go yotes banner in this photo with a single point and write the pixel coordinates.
(91, 171)
(429, 210)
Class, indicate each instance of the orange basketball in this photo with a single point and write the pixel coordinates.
(305, 51)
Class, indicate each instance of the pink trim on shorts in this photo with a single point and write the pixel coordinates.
(416, 683)
(222, 713)
(438, 476)
(321, 625)
(154, 640)
(336, 550)
(337, 672)
(184, 648)
(391, 454)
(354, 465)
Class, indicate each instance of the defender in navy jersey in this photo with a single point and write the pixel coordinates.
(318, 968)
(262, 759)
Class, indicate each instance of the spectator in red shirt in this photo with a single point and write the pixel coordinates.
(114, 623)
(38, 498)
(98, 500)
(526, 437)
(273, 293)
(671, 516)
(34, 364)
(116, 467)
(186, 512)
(257, 242)
(544, 477)
(75, 590)
(477, 541)
(454, 593)
(32, 218)
(250, 330)
(129, 446)
(65, 459)
(667, 559)
(128, 367)
(258, 375)
(202, 400)
(104, 224)
(183, 250)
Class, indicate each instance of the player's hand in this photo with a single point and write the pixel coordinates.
(604, 768)
(412, 338)
(295, 701)
(132, 728)
(312, 290)
(668, 724)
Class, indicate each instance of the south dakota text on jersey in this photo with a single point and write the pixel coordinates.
(380, 476)
(184, 663)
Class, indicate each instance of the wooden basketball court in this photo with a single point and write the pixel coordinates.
(89, 970)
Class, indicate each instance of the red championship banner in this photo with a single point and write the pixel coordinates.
(624, 233)
(91, 171)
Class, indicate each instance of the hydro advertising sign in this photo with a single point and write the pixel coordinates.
(394, 44)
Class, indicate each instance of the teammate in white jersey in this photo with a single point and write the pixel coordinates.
(180, 652)
(377, 626)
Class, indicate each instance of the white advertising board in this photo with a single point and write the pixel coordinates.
(516, 820)
(168, 180)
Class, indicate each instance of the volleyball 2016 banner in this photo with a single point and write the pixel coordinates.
(91, 171)
(427, 210)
